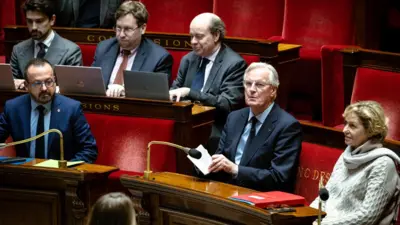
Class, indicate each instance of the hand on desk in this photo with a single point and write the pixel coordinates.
(220, 162)
(179, 93)
(115, 90)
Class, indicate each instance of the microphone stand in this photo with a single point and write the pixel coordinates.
(61, 163)
(147, 172)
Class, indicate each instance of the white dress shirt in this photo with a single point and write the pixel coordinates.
(46, 42)
(209, 66)
(118, 62)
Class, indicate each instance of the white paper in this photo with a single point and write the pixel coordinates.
(204, 162)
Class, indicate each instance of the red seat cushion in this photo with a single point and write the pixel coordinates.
(122, 142)
(316, 161)
(252, 18)
(383, 87)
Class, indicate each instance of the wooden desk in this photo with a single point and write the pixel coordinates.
(35, 195)
(192, 122)
(170, 198)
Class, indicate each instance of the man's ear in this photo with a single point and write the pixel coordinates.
(53, 20)
(143, 28)
(217, 36)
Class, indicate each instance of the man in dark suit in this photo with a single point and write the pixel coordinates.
(87, 13)
(212, 73)
(260, 145)
(40, 110)
(129, 50)
(44, 42)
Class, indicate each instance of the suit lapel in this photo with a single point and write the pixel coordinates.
(140, 56)
(56, 50)
(214, 69)
(27, 52)
(192, 70)
(262, 135)
(56, 114)
(25, 112)
(241, 123)
(108, 65)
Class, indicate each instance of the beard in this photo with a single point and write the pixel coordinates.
(43, 97)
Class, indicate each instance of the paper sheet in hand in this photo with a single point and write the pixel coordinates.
(204, 162)
(51, 163)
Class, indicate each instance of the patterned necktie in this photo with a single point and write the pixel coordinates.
(198, 81)
(119, 79)
(42, 50)
(39, 150)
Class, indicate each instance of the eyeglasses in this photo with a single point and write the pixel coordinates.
(259, 85)
(38, 84)
(126, 30)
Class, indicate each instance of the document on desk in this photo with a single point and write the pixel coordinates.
(204, 162)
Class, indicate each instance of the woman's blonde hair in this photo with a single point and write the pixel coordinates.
(372, 117)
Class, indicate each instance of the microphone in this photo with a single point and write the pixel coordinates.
(190, 151)
(323, 196)
(61, 163)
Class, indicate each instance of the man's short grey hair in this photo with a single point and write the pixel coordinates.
(217, 26)
(273, 75)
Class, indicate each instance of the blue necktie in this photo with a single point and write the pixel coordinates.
(198, 81)
(252, 133)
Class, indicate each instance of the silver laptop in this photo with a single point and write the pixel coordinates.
(6, 78)
(146, 85)
(80, 80)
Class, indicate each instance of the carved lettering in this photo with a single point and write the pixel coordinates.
(300, 172)
(315, 175)
(116, 108)
(157, 41)
(107, 107)
(102, 38)
(166, 43)
(187, 44)
(90, 38)
(98, 106)
(176, 43)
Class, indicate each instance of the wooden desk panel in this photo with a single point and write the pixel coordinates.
(37, 195)
(192, 122)
(168, 198)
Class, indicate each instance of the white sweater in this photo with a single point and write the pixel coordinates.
(363, 188)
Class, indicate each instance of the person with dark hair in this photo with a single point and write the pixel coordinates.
(364, 186)
(31, 114)
(87, 13)
(113, 208)
(44, 41)
(129, 50)
(212, 74)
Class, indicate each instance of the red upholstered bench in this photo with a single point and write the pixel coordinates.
(122, 142)
(88, 51)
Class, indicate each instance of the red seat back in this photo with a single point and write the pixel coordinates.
(313, 23)
(122, 142)
(252, 18)
(9, 151)
(383, 87)
(88, 51)
(174, 16)
(316, 161)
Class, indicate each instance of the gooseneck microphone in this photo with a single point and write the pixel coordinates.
(190, 151)
(61, 163)
(323, 196)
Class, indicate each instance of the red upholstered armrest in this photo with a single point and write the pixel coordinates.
(332, 84)
(251, 58)
(9, 151)
(316, 161)
(276, 38)
(88, 51)
(177, 56)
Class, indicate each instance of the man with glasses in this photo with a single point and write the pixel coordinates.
(211, 74)
(44, 42)
(260, 145)
(40, 110)
(129, 50)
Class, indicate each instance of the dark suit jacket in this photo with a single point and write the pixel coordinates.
(272, 160)
(223, 88)
(66, 116)
(68, 12)
(150, 57)
(60, 52)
